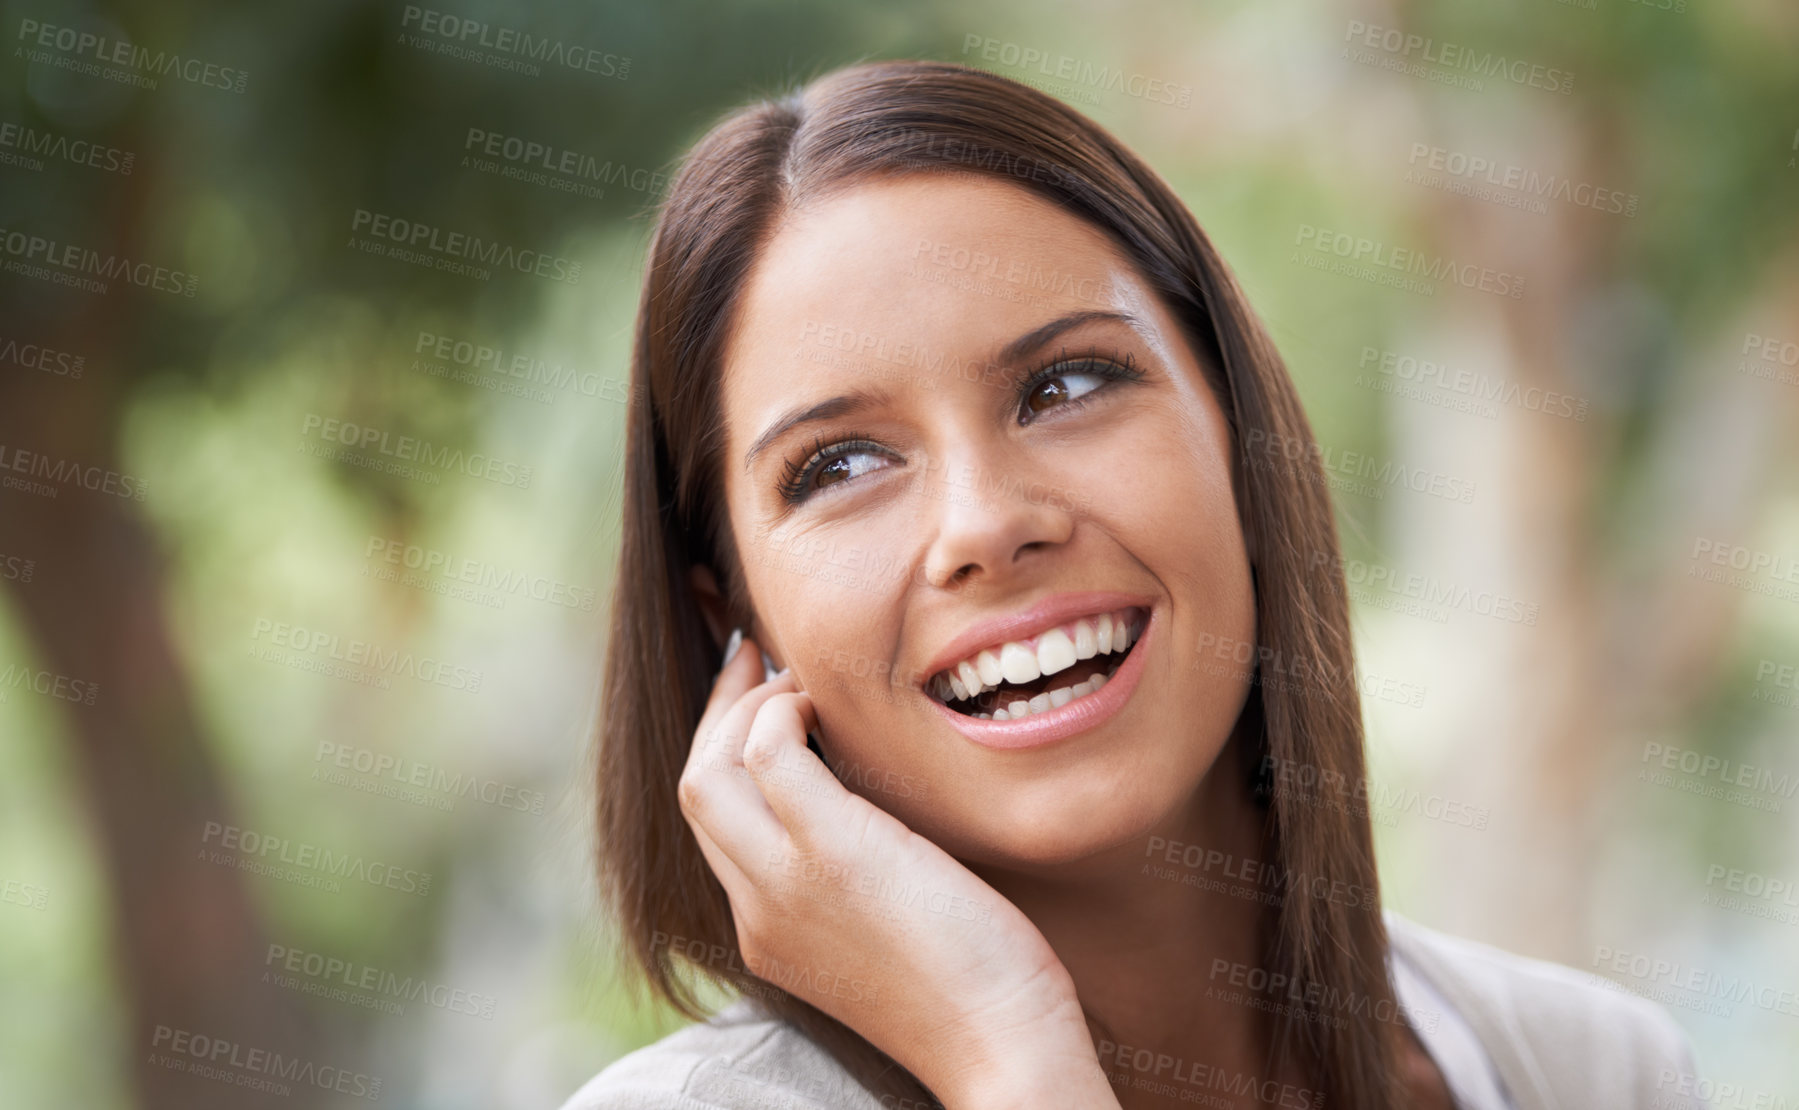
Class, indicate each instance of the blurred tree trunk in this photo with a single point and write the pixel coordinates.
(1625, 642)
(188, 944)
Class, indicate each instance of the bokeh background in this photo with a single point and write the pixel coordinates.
(294, 735)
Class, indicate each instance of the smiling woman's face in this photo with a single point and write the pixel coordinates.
(1008, 432)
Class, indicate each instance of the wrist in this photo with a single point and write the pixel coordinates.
(1036, 1081)
(1044, 1062)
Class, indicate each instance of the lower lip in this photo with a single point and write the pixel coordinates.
(1076, 717)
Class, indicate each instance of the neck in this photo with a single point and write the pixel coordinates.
(1153, 934)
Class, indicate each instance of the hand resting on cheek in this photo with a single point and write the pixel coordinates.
(839, 903)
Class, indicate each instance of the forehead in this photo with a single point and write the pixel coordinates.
(910, 269)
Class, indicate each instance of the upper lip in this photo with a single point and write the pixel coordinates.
(1041, 617)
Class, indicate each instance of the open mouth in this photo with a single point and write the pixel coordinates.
(1021, 678)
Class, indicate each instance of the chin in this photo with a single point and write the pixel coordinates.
(1052, 826)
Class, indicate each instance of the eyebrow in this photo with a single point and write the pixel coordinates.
(1028, 343)
(859, 399)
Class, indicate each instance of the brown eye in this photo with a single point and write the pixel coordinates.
(1061, 389)
(835, 465)
(1047, 395)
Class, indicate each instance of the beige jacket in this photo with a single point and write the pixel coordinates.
(1557, 1039)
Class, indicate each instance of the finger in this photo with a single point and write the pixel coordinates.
(797, 787)
(738, 887)
(720, 800)
(720, 735)
(735, 679)
(717, 795)
(732, 822)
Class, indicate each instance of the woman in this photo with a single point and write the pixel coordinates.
(1055, 799)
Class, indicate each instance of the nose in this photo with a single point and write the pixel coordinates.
(989, 526)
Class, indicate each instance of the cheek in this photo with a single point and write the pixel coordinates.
(845, 665)
(1178, 518)
(1164, 494)
(827, 598)
(829, 623)
(875, 725)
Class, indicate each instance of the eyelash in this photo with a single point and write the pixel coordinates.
(797, 473)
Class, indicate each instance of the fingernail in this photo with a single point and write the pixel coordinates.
(731, 646)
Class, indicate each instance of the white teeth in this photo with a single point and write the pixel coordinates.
(987, 663)
(1043, 703)
(1018, 663)
(1086, 645)
(971, 678)
(1055, 651)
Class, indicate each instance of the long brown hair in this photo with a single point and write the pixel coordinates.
(899, 117)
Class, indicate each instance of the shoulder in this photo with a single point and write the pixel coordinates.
(1566, 1037)
(739, 1058)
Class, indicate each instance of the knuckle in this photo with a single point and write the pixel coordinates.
(826, 853)
(761, 751)
(750, 946)
(689, 794)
